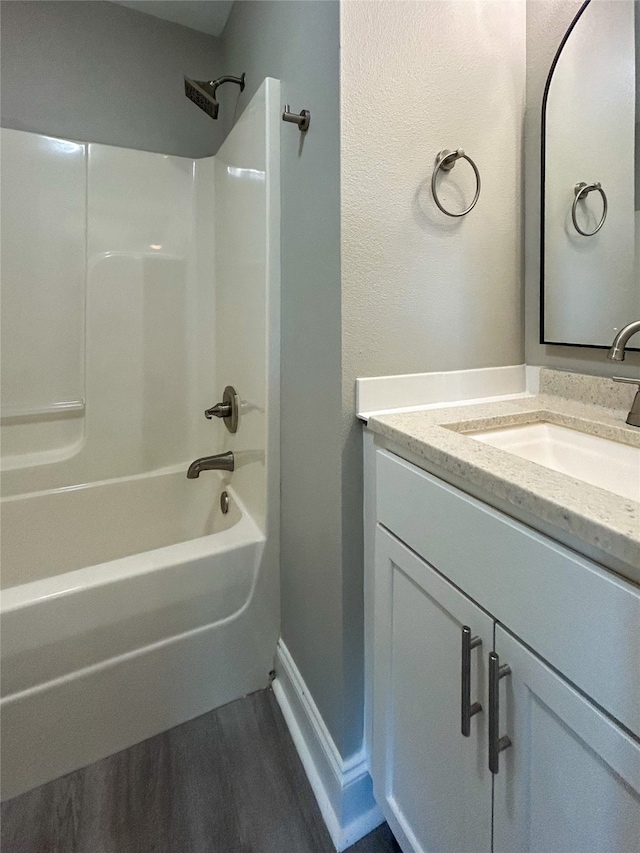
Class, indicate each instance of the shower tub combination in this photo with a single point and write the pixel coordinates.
(132, 603)
(129, 610)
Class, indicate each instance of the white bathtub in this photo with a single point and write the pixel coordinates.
(128, 606)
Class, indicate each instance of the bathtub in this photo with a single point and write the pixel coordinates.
(128, 606)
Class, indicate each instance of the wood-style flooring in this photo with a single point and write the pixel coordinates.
(227, 782)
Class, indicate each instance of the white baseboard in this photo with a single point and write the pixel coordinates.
(343, 788)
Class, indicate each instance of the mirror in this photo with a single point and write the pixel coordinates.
(590, 266)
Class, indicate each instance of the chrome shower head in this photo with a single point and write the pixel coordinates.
(202, 93)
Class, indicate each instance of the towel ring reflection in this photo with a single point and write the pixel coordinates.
(581, 191)
(445, 161)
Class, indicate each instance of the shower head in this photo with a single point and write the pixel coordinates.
(203, 92)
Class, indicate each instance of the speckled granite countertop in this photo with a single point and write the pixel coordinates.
(605, 522)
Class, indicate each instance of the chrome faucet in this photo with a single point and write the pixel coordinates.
(616, 353)
(633, 418)
(219, 462)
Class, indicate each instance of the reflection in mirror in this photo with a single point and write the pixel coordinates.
(590, 178)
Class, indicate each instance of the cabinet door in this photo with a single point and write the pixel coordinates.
(432, 783)
(570, 781)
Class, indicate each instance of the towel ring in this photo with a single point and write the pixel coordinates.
(581, 191)
(446, 160)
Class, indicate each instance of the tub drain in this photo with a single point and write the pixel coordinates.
(224, 503)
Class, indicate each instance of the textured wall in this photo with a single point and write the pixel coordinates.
(297, 42)
(547, 22)
(420, 291)
(99, 72)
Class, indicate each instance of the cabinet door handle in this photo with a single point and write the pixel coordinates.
(496, 743)
(468, 709)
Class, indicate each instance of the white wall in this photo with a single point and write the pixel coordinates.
(124, 297)
(247, 264)
(153, 290)
(43, 299)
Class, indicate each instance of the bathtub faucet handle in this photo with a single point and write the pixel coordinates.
(228, 409)
(220, 410)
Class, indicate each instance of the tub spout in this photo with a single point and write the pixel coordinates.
(219, 462)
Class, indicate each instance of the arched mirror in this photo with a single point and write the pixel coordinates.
(590, 234)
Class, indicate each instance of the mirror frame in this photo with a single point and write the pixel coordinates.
(543, 138)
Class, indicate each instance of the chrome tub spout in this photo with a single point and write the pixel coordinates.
(219, 462)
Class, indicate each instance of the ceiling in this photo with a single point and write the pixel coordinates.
(207, 16)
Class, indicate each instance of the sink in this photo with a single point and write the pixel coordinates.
(590, 458)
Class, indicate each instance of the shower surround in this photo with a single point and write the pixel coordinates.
(135, 287)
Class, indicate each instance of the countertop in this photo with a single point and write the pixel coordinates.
(571, 510)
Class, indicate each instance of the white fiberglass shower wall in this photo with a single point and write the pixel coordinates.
(136, 286)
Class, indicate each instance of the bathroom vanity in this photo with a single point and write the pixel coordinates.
(503, 630)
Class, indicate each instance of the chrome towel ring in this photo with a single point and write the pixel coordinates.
(445, 161)
(581, 191)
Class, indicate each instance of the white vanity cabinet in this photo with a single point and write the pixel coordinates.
(571, 780)
(568, 777)
(435, 781)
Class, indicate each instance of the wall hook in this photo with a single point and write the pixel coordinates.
(303, 120)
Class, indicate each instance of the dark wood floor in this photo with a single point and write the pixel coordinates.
(228, 782)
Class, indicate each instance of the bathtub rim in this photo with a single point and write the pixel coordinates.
(177, 468)
(244, 532)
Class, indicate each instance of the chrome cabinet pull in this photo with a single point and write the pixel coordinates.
(468, 709)
(496, 743)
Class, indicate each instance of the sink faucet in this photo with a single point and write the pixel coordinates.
(633, 418)
(219, 462)
(616, 353)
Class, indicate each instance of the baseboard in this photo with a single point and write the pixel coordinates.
(343, 788)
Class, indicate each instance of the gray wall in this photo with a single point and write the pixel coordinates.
(99, 72)
(403, 263)
(637, 170)
(547, 21)
(298, 43)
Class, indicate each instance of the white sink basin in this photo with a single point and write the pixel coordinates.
(598, 461)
